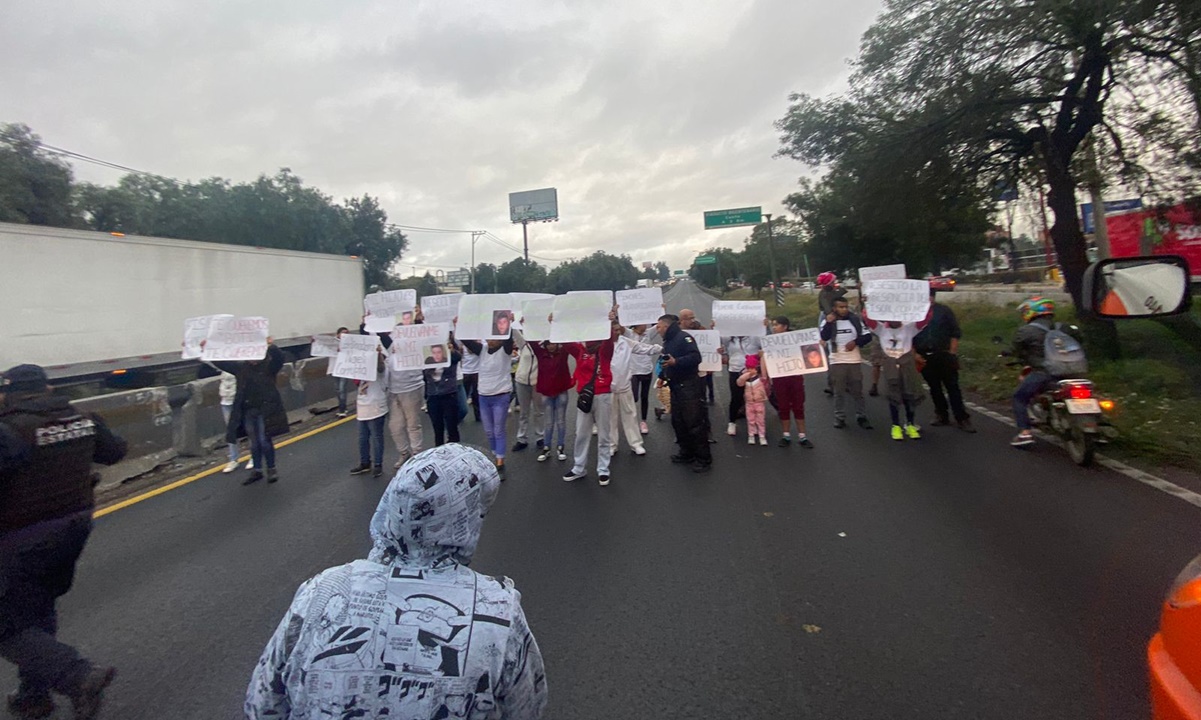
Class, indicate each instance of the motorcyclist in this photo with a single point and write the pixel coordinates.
(1038, 317)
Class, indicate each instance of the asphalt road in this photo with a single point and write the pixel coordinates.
(948, 578)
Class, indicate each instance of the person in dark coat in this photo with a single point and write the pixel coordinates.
(258, 411)
(689, 415)
(47, 448)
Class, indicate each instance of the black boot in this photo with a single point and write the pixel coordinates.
(25, 703)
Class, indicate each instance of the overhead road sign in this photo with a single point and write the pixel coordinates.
(705, 260)
(733, 218)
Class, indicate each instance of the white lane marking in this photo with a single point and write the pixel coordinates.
(1116, 465)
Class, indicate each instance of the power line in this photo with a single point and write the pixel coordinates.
(103, 163)
(519, 251)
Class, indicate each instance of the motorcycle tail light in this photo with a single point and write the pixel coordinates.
(1080, 392)
(1186, 591)
(1108, 405)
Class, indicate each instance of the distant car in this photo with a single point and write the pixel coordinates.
(808, 286)
(941, 283)
(1174, 654)
(786, 284)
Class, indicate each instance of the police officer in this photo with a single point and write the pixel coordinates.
(689, 415)
(46, 498)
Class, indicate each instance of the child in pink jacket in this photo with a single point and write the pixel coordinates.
(756, 391)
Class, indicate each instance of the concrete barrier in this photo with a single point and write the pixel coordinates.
(163, 423)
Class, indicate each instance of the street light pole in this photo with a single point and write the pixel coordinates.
(475, 235)
(771, 256)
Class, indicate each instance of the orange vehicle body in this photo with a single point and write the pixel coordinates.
(1174, 656)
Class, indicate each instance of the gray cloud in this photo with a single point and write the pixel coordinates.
(643, 115)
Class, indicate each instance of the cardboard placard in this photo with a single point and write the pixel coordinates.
(799, 352)
(484, 317)
(898, 300)
(194, 330)
(708, 342)
(324, 346)
(236, 338)
(582, 317)
(441, 308)
(519, 301)
(388, 309)
(881, 272)
(534, 321)
(416, 347)
(745, 318)
(640, 306)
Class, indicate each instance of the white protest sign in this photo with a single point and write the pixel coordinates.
(484, 317)
(898, 300)
(740, 317)
(534, 319)
(389, 308)
(708, 342)
(236, 338)
(520, 299)
(416, 347)
(640, 306)
(881, 272)
(440, 308)
(582, 317)
(324, 346)
(358, 358)
(194, 330)
(799, 352)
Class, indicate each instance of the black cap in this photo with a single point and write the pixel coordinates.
(25, 378)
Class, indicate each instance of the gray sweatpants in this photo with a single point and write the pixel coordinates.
(531, 413)
(847, 380)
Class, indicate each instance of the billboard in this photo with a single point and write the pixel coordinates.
(1170, 231)
(1112, 207)
(534, 205)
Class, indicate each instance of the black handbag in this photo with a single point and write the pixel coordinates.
(584, 402)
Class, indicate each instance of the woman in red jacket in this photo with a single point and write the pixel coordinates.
(554, 382)
(592, 368)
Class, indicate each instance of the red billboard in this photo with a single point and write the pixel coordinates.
(1171, 231)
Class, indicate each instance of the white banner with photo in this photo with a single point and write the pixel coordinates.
(389, 308)
(535, 319)
(733, 318)
(194, 331)
(416, 347)
(484, 317)
(897, 300)
(799, 352)
(881, 272)
(324, 346)
(441, 308)
(709, 343)
(519, 301)
(640, 306)
(582, 316)
(236, 338)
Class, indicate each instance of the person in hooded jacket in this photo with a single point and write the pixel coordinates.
(46, 499)
(258, 410)
(412, 631)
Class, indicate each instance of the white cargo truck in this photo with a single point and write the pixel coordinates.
(89, 304)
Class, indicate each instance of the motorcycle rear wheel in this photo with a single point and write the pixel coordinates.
(1082, 447)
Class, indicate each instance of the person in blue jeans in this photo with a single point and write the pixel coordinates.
(258, 410)
(442, 390)
(342, 384)
(495, 386)
(372, 411)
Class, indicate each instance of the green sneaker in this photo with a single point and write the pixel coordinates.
(913, 432)
(897, 434)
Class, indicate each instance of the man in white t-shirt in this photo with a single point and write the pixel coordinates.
(844, 333)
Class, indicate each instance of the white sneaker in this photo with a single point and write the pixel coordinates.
(250, 464)
(750, 439)
(562, 455)
(762, 439)
(602, 480)
(731, 429)
(639, 451)
(230, 466)
(595, 430)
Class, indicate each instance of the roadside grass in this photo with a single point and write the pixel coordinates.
(1156, 384)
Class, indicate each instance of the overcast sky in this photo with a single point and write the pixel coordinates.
(642, 114)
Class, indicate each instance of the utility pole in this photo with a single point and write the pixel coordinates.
(771, 256)
(525, 239)
(475, 235)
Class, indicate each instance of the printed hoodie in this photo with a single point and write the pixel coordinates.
(410, 632)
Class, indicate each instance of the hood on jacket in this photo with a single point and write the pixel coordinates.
(433, 510)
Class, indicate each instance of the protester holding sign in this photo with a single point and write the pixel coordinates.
(469, 370)
(442, 398)
(642, 369)
(495, 391)
(788, 390)
(845, 333)
(625, 413)
(342, 383)
(593, 380)
(554, 382)
(525, 381)
(900, 371)
(371, 408)
(258, 411)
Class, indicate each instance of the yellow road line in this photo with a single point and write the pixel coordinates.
(211, 471)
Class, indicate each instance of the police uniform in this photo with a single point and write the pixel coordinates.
(689, 414)
(46, 499)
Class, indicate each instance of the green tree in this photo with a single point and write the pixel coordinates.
(715, 275)
(35, 185)
(519, 276)
(371, 238)
(663, 272)
(649, 274)
(1009, 88)
(486, 280)
(598, 271)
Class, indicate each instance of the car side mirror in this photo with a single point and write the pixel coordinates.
(1126, 288)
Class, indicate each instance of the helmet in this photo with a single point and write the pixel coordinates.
(826, 278)
(1036, 307)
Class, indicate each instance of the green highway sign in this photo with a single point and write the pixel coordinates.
(705, 260)
(733, 218)
(679, 272)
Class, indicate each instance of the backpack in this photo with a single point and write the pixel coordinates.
(1063, 355)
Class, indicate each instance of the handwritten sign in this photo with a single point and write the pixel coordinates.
(898, 300)
(520, 299)
(798, 352)
(484, 317)
(708, 342)
(358, 358)
(236, 338)
(534, 314)
(194, 330)
(324, 346)
(881, 272)
(640, 306)
(582, 317)
(416, 347)
(389, 308)
(740, 317)
(440, 308)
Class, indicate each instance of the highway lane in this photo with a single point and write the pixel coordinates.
(947, 578)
